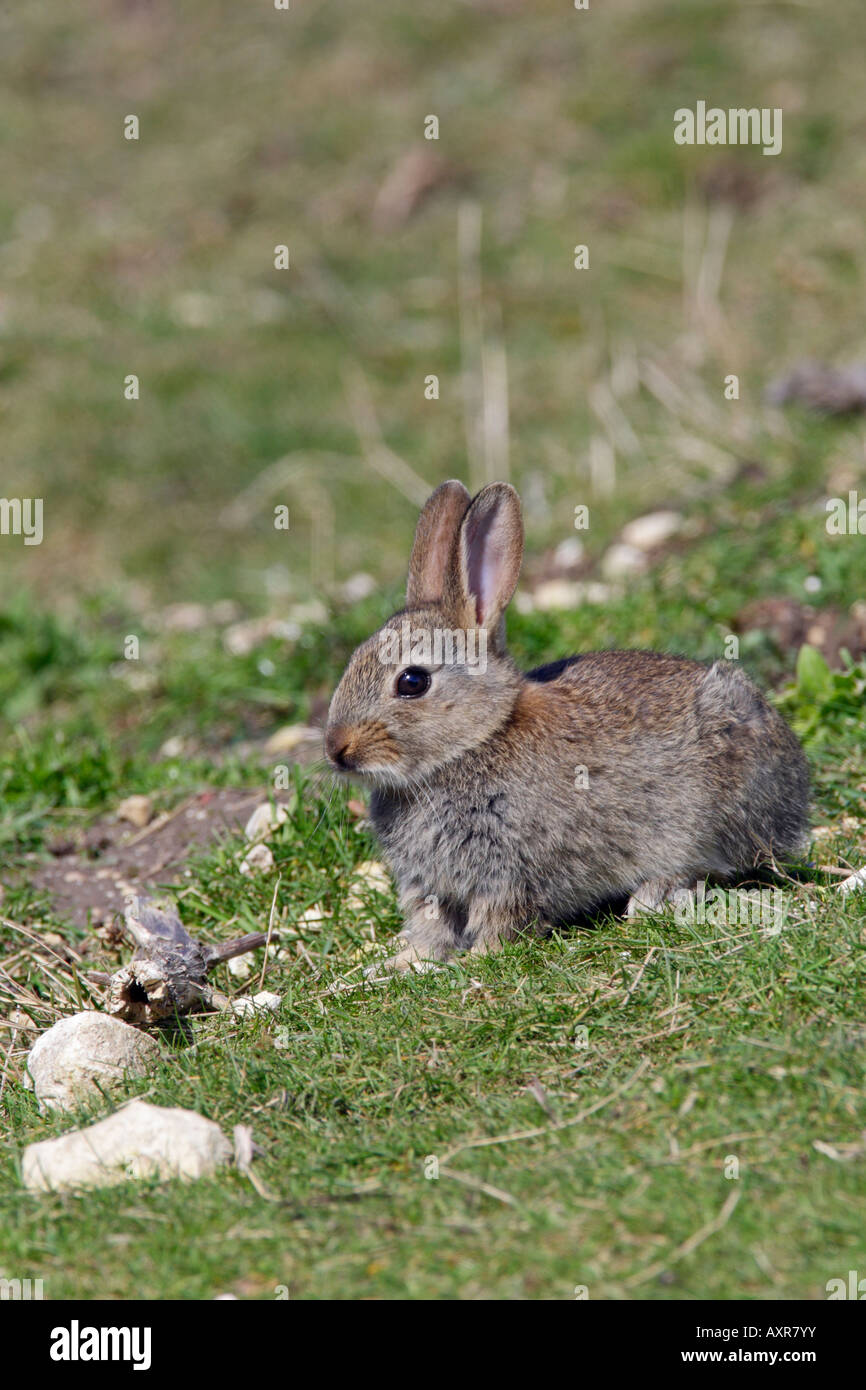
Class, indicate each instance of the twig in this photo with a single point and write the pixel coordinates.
(270, 931)
(494, 376)
(8, 1058)
(376, 452)
(167, 976)
(160, 821)
(471, 334)
(688, 1246)
(707, 1144)
(639, 976)
(495, 1192)
(676, 1001)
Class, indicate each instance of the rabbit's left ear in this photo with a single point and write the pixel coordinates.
(434, 541)
(486, 562)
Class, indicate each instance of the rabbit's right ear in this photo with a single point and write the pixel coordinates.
(437, 526)
(485, 562)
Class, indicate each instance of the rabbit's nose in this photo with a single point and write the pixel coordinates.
(338, 745)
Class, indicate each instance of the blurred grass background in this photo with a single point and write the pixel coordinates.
(305, 127)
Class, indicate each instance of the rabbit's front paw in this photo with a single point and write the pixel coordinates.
(485, 948)
(408, 958)
(657, 893)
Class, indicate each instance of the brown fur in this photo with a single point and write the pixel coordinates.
(506, 800)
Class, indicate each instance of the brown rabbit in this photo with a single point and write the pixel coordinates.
(505, 800)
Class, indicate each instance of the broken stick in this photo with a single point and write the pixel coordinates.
(167, 976)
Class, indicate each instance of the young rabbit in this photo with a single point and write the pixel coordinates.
(505, 800)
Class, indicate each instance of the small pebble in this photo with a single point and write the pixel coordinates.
(257, 860)
(137, 810)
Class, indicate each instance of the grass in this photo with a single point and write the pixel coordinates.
(167, 263)
(749, 1047)
(702, 1044)
(752, 1049)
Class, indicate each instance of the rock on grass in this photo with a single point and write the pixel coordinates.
(86, 1054)
(137, 810)
(140, 1141)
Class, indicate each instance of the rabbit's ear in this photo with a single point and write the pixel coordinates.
(434, 541)
(489, 550)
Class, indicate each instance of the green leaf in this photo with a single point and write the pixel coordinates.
(814, 677)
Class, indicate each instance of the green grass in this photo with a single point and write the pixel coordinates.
(260, 128)
(751, 1047)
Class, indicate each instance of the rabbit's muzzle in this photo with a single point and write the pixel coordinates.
(340, 747)
(361, 747)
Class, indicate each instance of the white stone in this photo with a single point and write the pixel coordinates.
(372, 872)
(569, 552)
(185, 617)
(137, 810)
(262, 1003)
(86, 1054)
(596, 592)
(258, 860)
(291, 736)
(241, 967)
(564, 594)
(138, 1141)
(621, 561)
(263, 820)
(174, 747)
(647, 532)
(242, 638)
(225, 610)
(853, 882)
(369, 877)
(195, 309)
(313, 612)
(556, 594)
(357, 587)
(314, 917)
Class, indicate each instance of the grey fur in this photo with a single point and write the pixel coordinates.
(506, 801)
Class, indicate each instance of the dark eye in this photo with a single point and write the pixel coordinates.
(412, 682)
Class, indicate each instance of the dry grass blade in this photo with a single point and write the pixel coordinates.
(76, 981)
(487, 1188)
(469, 221)
(540, 1130)
(494, 375)
(639, 976)
(270, 932)
(376, 452)
(688, 1246)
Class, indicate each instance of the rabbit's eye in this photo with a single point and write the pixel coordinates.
(412, 682)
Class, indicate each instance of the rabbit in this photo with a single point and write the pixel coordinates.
(507, 800)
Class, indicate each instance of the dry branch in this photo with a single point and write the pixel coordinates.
(167, 976)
